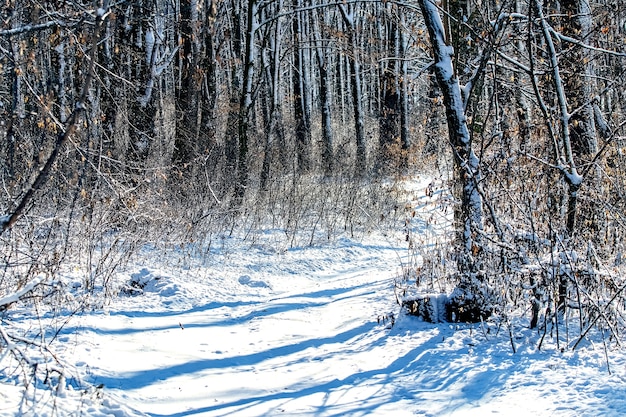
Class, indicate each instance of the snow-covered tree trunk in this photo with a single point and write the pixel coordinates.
(467, 165)
(466, 161)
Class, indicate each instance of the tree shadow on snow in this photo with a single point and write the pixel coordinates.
(274, 306)
(426, 372)
(145, 378)
(430, 369)
(292, 302)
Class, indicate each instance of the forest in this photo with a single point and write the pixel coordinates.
(175, 124)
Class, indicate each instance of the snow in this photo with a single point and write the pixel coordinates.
(573, 177)
(264, 329)
(149, 42)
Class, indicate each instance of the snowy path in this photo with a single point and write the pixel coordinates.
(295, 333)
(312, 351)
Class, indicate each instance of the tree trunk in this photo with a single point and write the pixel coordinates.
(188, 94)
(17, 110)
(327, 129)
(110, 93)
(246, 105)
(466, 161)
(272, 107)
(468, 300)
(142, 109)
(580, 85)
(565, 151)
(300, 88)
(348, 14)
(235, 58)
(325, 101)
(208, 95)
(405, 138)
(389, 111)
(579, 77)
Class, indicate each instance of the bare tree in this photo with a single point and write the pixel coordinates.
(272, 106)
(468, 175)
(301, 90)
(325, 83)
(188, 92)
(349, 15)
(246, 104)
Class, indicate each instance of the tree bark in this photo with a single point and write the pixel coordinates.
(325, 100)
(466, 161)
(348, 13)
(300, 88)
(246, 104)
(188, 94)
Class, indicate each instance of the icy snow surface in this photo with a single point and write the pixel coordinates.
(263, 330)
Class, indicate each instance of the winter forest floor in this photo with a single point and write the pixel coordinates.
(263, 330)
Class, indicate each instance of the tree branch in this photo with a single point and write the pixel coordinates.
(7, 221)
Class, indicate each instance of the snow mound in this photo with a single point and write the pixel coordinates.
(146, 281)
(246, 280)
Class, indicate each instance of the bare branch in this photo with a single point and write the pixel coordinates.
(72, 122)
(32, 28)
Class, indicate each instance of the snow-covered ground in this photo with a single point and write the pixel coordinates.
(265, 330)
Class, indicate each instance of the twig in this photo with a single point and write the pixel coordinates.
(606, 353)
(593, 322)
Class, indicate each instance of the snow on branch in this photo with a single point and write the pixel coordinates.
(13, 298)
(508, 17)
(17, 347)
(31, 28)
(577, 42)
